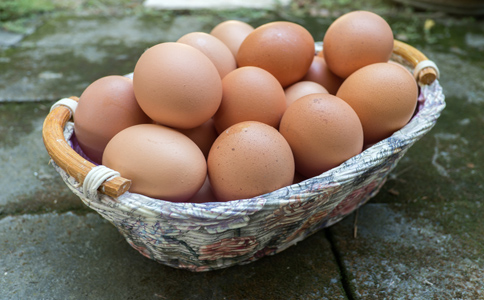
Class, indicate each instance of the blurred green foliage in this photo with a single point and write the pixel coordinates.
(19, 15)
(16, 9)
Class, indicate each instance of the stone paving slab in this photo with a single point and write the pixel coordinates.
(66, 54)
(397, 255)
(27, 182)
(9, 38)
(421, 237)
(69, 256)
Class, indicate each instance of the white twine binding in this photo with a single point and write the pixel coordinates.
(95, 178)
(67, 102)
(425, 64)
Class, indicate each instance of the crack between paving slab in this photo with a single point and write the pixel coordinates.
(20, 212)
(339, 261)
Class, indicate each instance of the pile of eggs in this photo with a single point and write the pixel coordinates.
(241, 112)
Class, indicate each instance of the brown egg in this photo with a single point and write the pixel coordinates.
(383, 95)
(298, 177)
(302, 88)
(249, 159)
(213, 48)
(323, 131)
(106, 107)
(204, 194)
(285, 49)
(400, 65)
(232, 33)
(357, 39)
(203, 135)
(177, 85)
(161, 162)
(250, 94)
(320, 73)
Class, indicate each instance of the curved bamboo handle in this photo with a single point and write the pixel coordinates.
(426, 75)
(68, 159)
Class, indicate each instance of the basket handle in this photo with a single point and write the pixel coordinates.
(425, 71)
(68, 159)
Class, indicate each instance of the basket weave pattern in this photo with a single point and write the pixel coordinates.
(208, 236)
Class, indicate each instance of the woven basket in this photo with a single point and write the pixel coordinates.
(208, 236)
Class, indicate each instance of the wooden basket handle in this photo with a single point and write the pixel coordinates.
(68, 159)
(76, 166)
(428, 73)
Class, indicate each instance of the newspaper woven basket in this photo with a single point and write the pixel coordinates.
(208, 236)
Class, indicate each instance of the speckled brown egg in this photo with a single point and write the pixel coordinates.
(249, 159)
(250, 94)
(160, 161)
(177, 85)
(384, 96)
(232, 33)
(213, 48)
(323, 131)
(204, 194)
(302, 88)
(106, 107)
(284, 49)
(203, 135)
(320, 73)
(357, 39)
(298, 177)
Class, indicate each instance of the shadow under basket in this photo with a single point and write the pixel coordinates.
(209, 236)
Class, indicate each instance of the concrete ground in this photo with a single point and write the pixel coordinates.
(421, 237)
